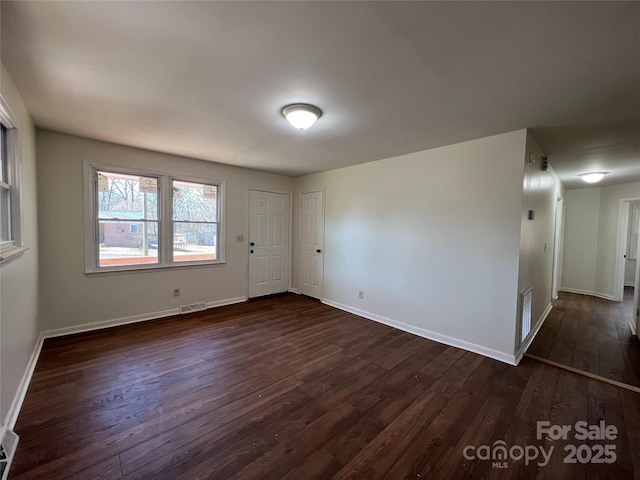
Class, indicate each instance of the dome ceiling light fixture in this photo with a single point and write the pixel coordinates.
(301, 115)
(592, 177)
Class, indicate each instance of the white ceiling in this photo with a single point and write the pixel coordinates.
(208, 79)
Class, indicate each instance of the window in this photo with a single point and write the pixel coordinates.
(144, 220)
(5, 189)
(125, 201)
(195, 221)
(10, 209)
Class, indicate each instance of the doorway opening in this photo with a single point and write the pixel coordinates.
(627, 246)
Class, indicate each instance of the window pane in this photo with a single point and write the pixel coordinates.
(195, 202)
(119, 246)
(5, 189)
(5, 220)
(195, 241)
(3, 155)
(127, 197)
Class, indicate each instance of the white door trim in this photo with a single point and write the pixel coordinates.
(558, 245)
(635, 327)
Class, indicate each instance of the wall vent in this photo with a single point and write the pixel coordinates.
(7, 450)
(525, 319)
(194, 307)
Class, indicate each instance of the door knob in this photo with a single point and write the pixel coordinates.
(252, 244)
(251, 251)
(318, 251)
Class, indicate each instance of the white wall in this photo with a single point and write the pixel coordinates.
(581, 240)
(590, 241)
(19, 327)
(69, 297)
(540, 193)
(432, 238)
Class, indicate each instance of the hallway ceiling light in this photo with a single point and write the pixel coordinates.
(593, 177)
(301, 115)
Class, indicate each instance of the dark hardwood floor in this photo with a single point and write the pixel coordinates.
(593, 335)
(287, 387)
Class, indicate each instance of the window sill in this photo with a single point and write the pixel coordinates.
(10, 254)
(159, 268)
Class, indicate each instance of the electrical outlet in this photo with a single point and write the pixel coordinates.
(176, 292)
(360, 294)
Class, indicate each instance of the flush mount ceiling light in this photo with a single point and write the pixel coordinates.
(593, 177)
(301, 115)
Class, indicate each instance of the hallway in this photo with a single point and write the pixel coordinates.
(592, 335)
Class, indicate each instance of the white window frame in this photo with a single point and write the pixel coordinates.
(165, 220)
(14, 247)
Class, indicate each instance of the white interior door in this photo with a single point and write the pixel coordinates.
(312, 244)
(269, 234)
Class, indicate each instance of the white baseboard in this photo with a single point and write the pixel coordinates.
(632, 325)
(532, 334)
(225, 302)
(294, 290)
(89, 327)
(629, 284)
(143, 317)
(18, 399)
(587, 292)
(422, 332)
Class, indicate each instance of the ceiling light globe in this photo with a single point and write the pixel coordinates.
(301, 116)
(593, 177)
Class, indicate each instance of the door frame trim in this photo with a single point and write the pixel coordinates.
(558, 245)
(247, 232)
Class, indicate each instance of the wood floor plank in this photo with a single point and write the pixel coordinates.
(108, 469)
(285, 456)
(538, 396)
(605, 405)
(319, 465)
(444, 361)
(346, 446)
(379, 455)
